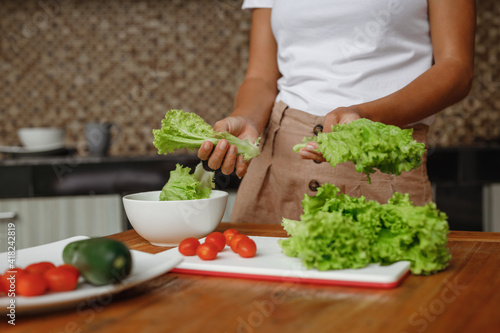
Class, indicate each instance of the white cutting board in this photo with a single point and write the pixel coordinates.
(270, 264)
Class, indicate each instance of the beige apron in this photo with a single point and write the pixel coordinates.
(278, 178)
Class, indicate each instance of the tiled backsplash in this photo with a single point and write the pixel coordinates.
(66, 63)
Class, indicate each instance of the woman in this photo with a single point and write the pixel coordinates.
(314, 64)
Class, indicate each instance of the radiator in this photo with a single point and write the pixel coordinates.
(43, 220)
(491, 207)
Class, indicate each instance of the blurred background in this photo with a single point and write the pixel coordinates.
(66, 63)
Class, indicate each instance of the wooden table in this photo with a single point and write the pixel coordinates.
(463, 298)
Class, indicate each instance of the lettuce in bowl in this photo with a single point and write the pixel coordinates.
(182, 185)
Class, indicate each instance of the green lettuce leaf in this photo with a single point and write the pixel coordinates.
(326, 240)
(181, 129)
(369, 145)
(182, 185)
(337, 231)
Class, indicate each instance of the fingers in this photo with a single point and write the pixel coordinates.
(229, 161)
(310, 153)
(312, 146)
(331, 119)
(224, 156)
(347, 118)
(218, 154)
(341, 115)
(233, 125)
(241, 167)
(205, 150)
(222, 126)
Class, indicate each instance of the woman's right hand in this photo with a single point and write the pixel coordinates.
(253, 101)
(224, 156)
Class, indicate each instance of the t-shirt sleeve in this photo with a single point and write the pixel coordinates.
(251, 4)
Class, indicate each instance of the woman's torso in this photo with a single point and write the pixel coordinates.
(334, 53)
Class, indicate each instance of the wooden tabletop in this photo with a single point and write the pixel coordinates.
(463, 298)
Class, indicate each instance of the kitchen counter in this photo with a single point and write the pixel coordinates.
(463, 298)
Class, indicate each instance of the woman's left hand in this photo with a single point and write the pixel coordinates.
(342, 115)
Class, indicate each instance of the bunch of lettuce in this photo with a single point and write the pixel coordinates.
(369, 145)
(182, 185)
(337, 231)
(188, 130)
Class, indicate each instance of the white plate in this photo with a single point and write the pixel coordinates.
(145, 266)
(271, 264)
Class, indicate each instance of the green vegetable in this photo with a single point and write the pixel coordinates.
(101, 261)
(338, 231)
(188, 130)
(369, 145)
(185, 186)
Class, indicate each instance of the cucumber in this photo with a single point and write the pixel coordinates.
(101, 261)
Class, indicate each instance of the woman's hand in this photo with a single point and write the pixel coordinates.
(342, 115)
(253, 101)
(224, 156)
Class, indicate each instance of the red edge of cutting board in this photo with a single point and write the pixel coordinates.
(360, 284)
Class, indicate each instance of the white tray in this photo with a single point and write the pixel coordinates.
(270, 264)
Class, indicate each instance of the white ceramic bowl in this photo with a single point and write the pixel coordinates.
(167, 223)
(37, 137)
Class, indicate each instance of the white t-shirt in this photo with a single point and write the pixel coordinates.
(334, 53)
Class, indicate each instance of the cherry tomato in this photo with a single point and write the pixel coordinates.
(246, 247)
(2, 289)
(235, 240)
(218, 239)
(31, 284)
(10, 276)
(39, 267)
(60, 279)
(188, 246)
(207, 251)
(71, 268)
(229, 233)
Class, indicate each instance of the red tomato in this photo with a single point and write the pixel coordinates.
(31, 284)
(235, 240)
(229, 233)
(60, 279)
(218, 239)
(71, 268)
(188, 246)
(6, 280)
(39, 267)
(207, 251)
(246, 247)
